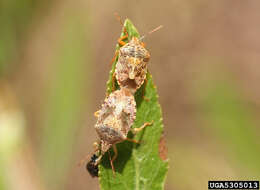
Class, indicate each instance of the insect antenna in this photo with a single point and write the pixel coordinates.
(121, 22)
(152, 31)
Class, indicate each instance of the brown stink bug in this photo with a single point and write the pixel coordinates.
(114, 120)
(133, 57)
(131, 67)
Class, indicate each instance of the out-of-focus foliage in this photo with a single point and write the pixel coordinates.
(230, 121)
(64, 103)
(2, 177)
(12, 131)
(14, 19)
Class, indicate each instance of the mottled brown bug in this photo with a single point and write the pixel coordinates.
(114, 121)
(115, 118)
(131, 68)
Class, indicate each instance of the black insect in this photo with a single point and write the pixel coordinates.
(92, 166)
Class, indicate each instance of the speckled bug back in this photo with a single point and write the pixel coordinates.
(131, 67)
(115, 118)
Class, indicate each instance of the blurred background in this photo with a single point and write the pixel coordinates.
(54, 64)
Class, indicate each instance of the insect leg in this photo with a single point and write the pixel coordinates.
(132, 140)
(113, 159)
(136, 130)
(114, 58)
(120, 40)
(115, 151)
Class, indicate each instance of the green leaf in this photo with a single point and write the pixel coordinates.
(138, 166)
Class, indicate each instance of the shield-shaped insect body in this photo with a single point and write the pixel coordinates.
(115, 118)
(131, 67)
